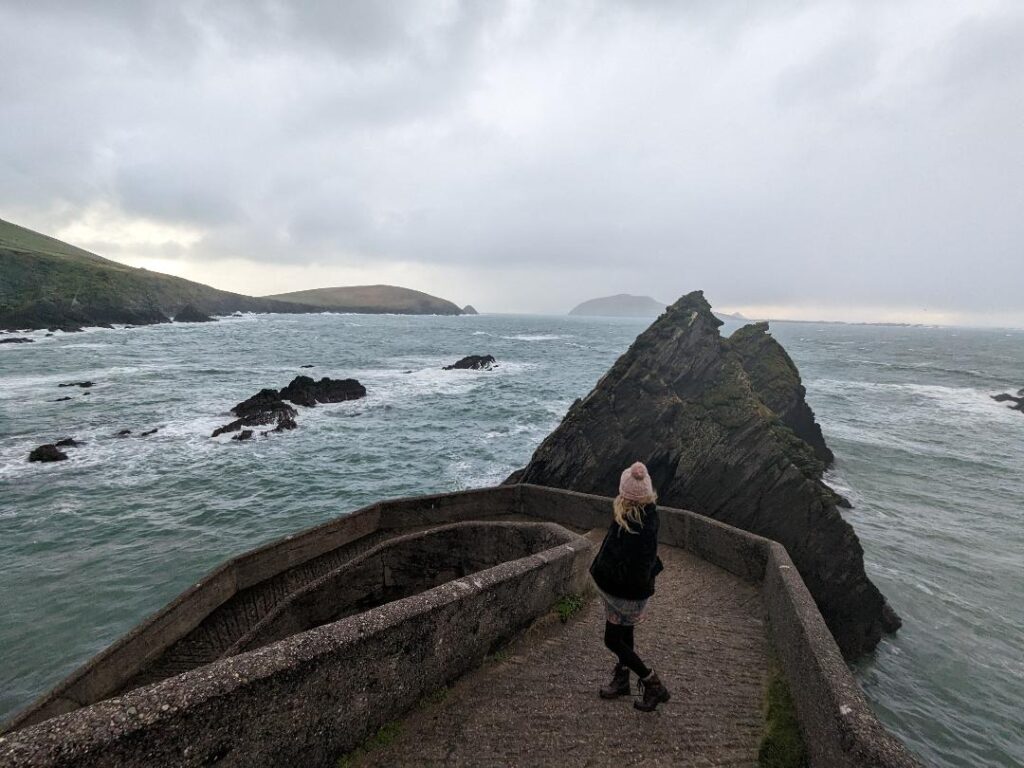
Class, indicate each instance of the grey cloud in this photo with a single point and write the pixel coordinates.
(865, 153)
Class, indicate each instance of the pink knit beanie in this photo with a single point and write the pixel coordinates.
(635, 483)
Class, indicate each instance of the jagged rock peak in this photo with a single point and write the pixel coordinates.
(681, 401)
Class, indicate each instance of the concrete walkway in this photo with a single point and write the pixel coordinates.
(706, 637)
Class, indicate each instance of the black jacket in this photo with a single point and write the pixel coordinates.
(627, 563)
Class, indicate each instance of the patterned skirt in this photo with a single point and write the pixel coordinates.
(619, 610)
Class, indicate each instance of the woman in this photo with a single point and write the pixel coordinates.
(624, 572)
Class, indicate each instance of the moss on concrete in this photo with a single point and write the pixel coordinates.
(782, 744)
(568, 606)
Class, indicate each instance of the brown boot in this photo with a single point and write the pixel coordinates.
(619, 686)
(653, 693)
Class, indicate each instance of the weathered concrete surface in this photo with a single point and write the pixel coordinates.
(315, 695)
(707, 639)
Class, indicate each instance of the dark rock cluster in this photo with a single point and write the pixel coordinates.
(473, 363)
(305, 391)
(17, 340)
(1016, 401)
(700, 411)
(52, 451)
(270, 406)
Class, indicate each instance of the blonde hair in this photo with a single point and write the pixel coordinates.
(628, 511)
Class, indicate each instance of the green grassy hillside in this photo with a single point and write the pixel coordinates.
(373, 299)
(48, 283)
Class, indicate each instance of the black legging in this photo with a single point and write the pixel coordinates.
(619, 640)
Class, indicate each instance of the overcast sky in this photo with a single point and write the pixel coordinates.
(843, 160)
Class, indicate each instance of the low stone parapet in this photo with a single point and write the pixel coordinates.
(315, 695)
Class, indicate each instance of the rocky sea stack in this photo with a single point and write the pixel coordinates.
(699, 410)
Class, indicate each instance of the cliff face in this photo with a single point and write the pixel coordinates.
(776, 380)
(681, 401)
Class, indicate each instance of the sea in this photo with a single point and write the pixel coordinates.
(92, 545)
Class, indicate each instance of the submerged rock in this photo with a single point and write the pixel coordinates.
(61, 399)
(123, 433)
(17, 340)
(1016, 402)
(284, 424)
(48, 452)
(474, 363)
(189, 314)
(68, 442)
(681, 400)
(152, 431)
(245, 434)
(305, 391)
(82, 384)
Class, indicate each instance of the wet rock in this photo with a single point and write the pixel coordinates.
(307, 366)
(473, 363)
(189, 314)
(245, 434)
(1016, 402)
(149, 432)
(49, 334)
(48, 452)
(285, 423)
(232, 426)
(82, 384)
(61, 399)
(17, 340)
(124, 433)
(265, 407)
(69, 442)
(266, 403)
(305, 391)
(268, 406)
(681, 400)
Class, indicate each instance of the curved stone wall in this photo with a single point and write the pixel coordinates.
(318, 692)
(397, 568)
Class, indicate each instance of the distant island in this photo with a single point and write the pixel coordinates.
(620, 305)
(47, 283)
(627, 305)
(372, 299)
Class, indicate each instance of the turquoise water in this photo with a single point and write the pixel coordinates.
(90, 546)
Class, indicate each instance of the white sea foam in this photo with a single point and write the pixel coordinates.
(537, 337)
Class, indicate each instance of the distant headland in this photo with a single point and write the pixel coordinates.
(47, 283)
(620, 305)
(373, 299)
